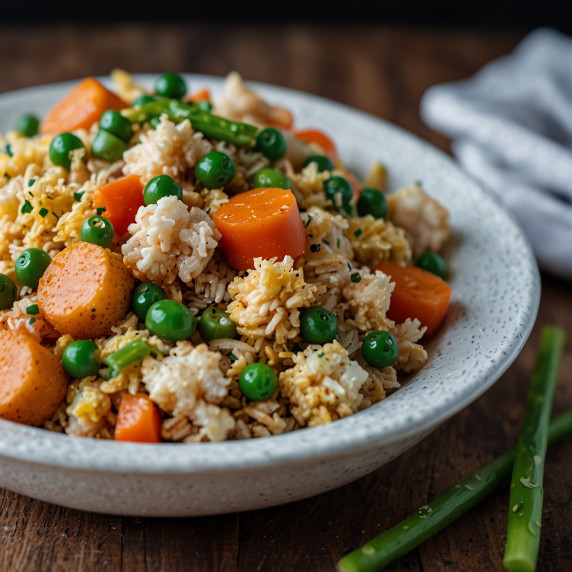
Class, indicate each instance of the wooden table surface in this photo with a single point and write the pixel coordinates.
(383, 71)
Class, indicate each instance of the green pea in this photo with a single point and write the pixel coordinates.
(144, 296)
(171, 85)
(142, 100)
(258, 382)
(318, 325)
(373, 202)
(271, 178)
(170, 320)
(8, 292)
(271, 143)
(31, 265)
(323, 163)
(97, 230)
(380, 349)
(159, 187)
(107, 146)
(117, 124)
(27, 125)
(340, 191)
(204, 105)
(79, 360)
(61, 147)
(215, 169)
(215, 323)
(432, 262)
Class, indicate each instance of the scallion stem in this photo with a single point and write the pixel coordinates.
(526, 492)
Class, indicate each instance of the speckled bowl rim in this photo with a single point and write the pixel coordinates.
(488, 345)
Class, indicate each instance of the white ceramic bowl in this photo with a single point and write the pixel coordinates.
(496, 291)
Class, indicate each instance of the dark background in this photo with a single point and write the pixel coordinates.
(513, 14)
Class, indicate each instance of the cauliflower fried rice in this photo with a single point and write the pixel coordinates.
(175, 244)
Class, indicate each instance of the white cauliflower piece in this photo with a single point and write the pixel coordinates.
(189, 383)
(323, 385)
(425, 221)
(168, 240)
(240, 103)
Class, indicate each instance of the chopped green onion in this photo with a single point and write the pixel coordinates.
(9, 150)
(232, 357)
(33, 309)
(77, 196)
(31, 321)
(358, 232)
(26, 207)
(445, 509)
(355, 277)
(523, 525)
(43, 212)
(31, 182)
(315, 247)
(100, 210)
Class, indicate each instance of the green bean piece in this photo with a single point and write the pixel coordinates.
(128, 355)
(428, 520)
(526, 492)
(210, 125)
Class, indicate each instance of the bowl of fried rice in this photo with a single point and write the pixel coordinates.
(219, 350)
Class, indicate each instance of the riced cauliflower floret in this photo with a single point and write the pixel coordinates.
(170, 149)
(365, 303)
(425, 221)
(323, 385)
(168, 240)
(189, 383)
(412, 356)
(266, 302)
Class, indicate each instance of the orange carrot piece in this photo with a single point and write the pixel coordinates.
(318, 137)
(33, 381)
(138, 420)
(417, 294)
(80, 107)
(262, 223)
(201, 95)
(121, 199)
(85, 291)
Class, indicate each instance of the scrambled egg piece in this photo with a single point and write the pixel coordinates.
(323, 385)
(266, 302)
(374, 240)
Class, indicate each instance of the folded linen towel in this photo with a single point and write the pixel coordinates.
(511, 127)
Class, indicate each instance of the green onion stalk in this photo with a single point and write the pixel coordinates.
(526, 492)
(452, 504)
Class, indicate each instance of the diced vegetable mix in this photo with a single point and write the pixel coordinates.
(194, 266)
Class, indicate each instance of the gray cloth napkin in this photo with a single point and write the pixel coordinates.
(511, 127)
